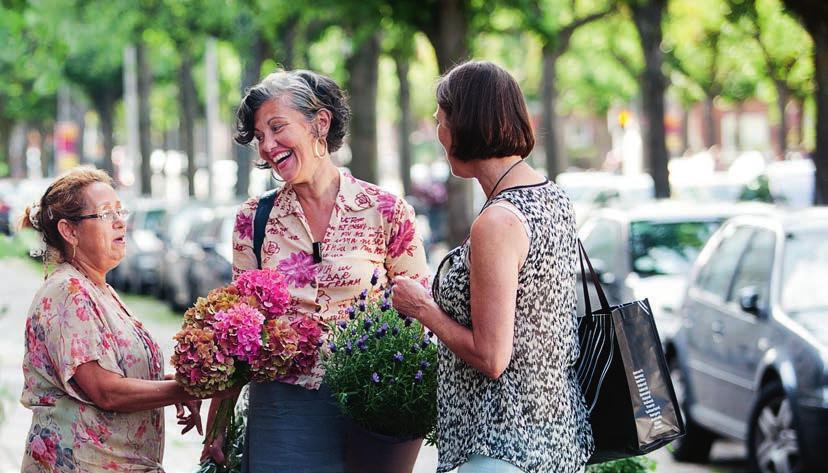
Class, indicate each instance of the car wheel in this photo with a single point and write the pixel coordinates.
(695, 445)
(772, 438)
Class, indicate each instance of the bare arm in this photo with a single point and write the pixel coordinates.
(112, 392)
(498, 247)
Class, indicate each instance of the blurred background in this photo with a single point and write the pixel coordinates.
(660, 118)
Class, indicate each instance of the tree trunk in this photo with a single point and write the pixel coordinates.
(685, 129)
(799, 123)
(363, 73)
(819, 31)
(549, 100)
(404, 127)
(709, 117)
(647, 16)
(250, 76)
(106, 109)
(737, 135)
(145, 139)
(450, 41)
(782, 97)
(5, 143)
(47, 154)
(289, 31)
(188, 100)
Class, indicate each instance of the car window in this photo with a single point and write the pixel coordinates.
(716, 274)
(602, 241)
(755, 267)
(667, 248)
(805, 262)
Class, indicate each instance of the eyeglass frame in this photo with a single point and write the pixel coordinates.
(123, 214)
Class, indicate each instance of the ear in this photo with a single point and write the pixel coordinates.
(68, 231)
(323, 122)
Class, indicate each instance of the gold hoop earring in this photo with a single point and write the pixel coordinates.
(317, 154)
(74, 250)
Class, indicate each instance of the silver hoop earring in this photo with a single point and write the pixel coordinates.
(317, 154)
(273, 176)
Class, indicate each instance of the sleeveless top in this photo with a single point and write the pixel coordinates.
(534, 415)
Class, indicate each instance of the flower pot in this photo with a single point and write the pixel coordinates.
(369, 452)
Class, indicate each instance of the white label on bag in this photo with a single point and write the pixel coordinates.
(650, 407)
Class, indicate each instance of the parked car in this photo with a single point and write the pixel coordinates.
(647, 251)
(591, 190)
(212, 265)
(6, 224)
(179, 235)
(750, 360)
(139, 270)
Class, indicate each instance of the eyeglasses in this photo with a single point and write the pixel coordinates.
(106, 215)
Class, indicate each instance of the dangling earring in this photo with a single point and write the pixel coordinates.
(273, 176)
(74, 250)
(316, 153)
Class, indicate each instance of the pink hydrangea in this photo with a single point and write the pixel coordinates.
(269, 288)
(239, 330)
(310, 334)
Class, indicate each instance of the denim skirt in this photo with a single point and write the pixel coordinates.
(293, 429)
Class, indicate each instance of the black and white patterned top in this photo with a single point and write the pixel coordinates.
(534, 415)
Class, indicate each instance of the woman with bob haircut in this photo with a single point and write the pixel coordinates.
(330, 235)
(503, 303)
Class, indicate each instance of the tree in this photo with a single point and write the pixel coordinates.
(95, 63)
(814, 15)
(647, 16)
(780, 39)
(554, 23)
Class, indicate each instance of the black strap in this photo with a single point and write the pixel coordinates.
(260, 221)
(596, 283)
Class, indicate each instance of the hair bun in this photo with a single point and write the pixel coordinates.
(31, 216)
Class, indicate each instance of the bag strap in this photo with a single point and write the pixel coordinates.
(260, 221)
(596, 283)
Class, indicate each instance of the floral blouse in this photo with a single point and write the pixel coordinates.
(370, 230)
(71, 322)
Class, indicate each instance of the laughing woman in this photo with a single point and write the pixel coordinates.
(329, 234)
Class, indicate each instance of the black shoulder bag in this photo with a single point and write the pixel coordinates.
(260, 222)
(624, 377)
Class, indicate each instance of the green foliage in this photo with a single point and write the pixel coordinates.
(627, 465)
(382, 370)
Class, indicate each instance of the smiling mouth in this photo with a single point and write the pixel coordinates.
(282, 157)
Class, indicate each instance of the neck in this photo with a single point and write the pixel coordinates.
(94, 274)
(489, 172)
(323, 186)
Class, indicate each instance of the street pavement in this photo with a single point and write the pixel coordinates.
(19, 279)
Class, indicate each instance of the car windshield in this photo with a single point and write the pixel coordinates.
(805, 258)
(667, 248)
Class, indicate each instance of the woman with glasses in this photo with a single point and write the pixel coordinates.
(94, 377)
(503, 303)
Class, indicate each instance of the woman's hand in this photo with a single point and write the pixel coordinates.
(410, 297)
(191, 419)
(214, 449)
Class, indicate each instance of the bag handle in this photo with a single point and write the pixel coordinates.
(260, 222)
(605, 307)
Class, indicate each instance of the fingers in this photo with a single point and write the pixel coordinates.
(179, 410)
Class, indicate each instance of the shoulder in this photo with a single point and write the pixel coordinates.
(361, 195)
(62, 286)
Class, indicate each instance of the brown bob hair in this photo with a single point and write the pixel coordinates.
(64, 198)
(486, 112)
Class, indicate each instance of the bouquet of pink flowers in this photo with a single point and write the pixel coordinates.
(237, 334)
